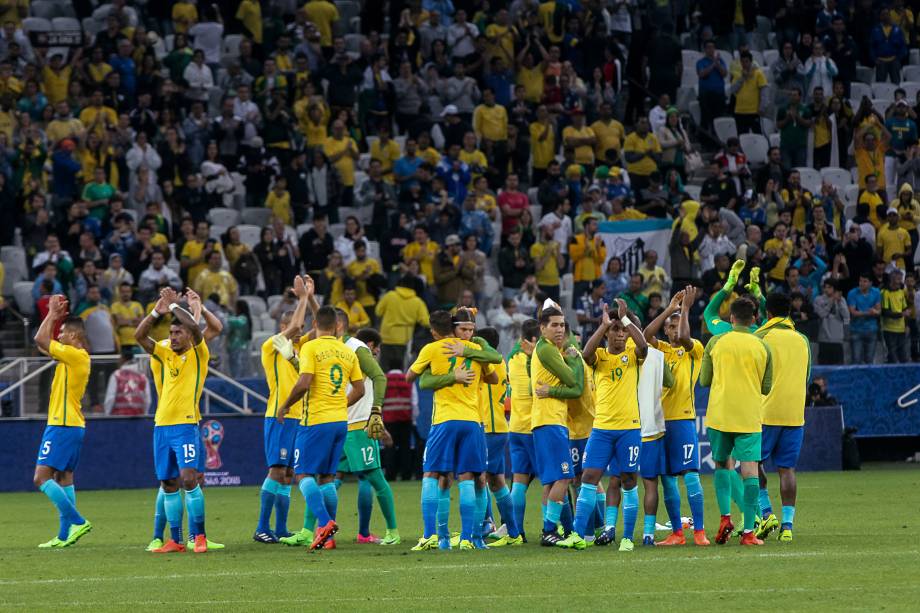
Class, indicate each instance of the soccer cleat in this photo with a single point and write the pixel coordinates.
(748, 538)
(648, 541)
(466, 545)
(785, 535)
(444, 544)
(508, 541)
(212, 546)
(391, 538)
(170, 546)
(370, 539)
(76, 533)
(549, 539)
(455, 539)
(607, 536)
(323, 534)
(55, 542)
(673, 539)
(498, 534)
(265, 537)
(201, 544)
(699, 538)
(574, 541)
(426, 543)
(725, 529)
(330, 544)
(478, 543)
(626, 545)
(767, 525)
(155, 544)
(298, 539)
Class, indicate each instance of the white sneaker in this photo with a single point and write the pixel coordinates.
(499, 533)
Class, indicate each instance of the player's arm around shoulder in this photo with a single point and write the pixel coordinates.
(479, 350)
(569, 392)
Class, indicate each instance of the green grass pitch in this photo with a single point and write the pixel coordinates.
(856, 548)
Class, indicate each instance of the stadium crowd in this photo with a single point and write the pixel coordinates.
(424, 154)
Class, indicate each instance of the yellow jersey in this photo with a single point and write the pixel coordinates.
(582, 409)
(56, 84)
(784, 248)
(491, 122)
(181, 381)
(547, 411)
(357, 268)
(129, 310)
(345, 164)
(281, 375)
(521, 397)
(548, 274)
(533, 81)
(648, 145)
(492, 400)
(70, 378)
(609, 135)
(386, 154)
(357, 316)
(333, 366)
(893, 242)
(584, 154)
(457, 402)
(747, 98)
(323, 14)
(192, 250)
(677, 400)
(785, 404)
(616, 378)
(280, 205)
(426, 263)
(544, 151)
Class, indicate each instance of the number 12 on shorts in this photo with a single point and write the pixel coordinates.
(368, 453)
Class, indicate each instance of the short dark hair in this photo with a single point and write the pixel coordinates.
(368, 335)
(325, 318)
(441, 322)
(75, 323)
(341, 317)
(530, 329)
(743, 310)
(489, 335)
(778, 304)
(746, 55)
(547, 313)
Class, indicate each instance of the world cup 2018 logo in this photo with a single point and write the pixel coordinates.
(212, 433)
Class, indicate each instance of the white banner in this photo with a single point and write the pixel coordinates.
(630, 240)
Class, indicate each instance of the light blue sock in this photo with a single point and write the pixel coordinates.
(65, 507)
(585, 508)
(695, 498)
(468, 512)
(282, 505)
(505, 503)
(314, 498)
(630, 511)
(487, 520)
(601, 505)
(788, 516)
(267, 496)
(63, 526)
(330, 498)
(648, 526)
(519, 501)
(765, 507)
(553, 515)
(194, 499)
(159, 515)
(365, 506)
(443, 513)
(547, 525)
(672, 502)
(482, 506)
(337, 483)
(172, 503)
(430, 505)
(567, 519)
(610, 516)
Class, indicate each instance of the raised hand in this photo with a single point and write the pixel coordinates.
(299, 288)
(192, 297)
(689, 297)
(621, 308)
(527, 346)
(309, 285)
(57, 306)
(605, 317)
(169, 295)
(676, 300)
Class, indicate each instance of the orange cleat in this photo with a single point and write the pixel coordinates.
(170, 546)
(748, 538)
(323, 534)
(725, 529)
(674, 538)
(699, 538)
(330, 544)
(201, 543)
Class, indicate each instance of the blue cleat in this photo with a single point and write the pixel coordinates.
(609, 535)
(478, 543)
(265, 537)
(648, 541)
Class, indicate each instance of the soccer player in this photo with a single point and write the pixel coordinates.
(326, 367)
(456, 443)
(59, 451)
(183, 359)
(580, 421)
(520, 437)
(280, 363)
(682, 355)
(616, 437)
(738, 367)
(783, 411)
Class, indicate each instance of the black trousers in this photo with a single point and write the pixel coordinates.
(392, 357)
(397, 460)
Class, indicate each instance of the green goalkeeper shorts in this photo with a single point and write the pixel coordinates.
(743, 446)
(361, 453)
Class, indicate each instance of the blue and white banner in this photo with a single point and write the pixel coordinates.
(629, 240)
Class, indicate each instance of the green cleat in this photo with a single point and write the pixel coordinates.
(55, 542)
(508, 541)
(211, 545)
(392, 538)
(733, 275)
(76, 533)
(466, 545)
(626, 545)
(425, 544)
(767, 526)
(154, 544)
(785, 535)
(298, 539)
(574, 541)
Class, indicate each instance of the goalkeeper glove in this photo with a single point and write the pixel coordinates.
(283, 346)
(753, 287)
(733, 275)
(374, 427)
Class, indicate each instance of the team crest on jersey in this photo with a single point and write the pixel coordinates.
(680, 353)
(565, 467)
(283, 453)
(624, 359)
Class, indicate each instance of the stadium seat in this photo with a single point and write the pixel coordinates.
(689, 79)
(865, 74)
(811, 178)
(881, 105)
(15, 267)
(770, 56)
(273, 300)
(353, 42)
(537, 211)
(567, 282)
(231, 46)
(690, 57)
(337, 229)
(491, 293)
(774, 139)
(249, 234)
(767, 126)
(217, 231)
(65, 24)
(695, 112)
(373, 250)
(884, 90)
(851, 195)
(693, 191)
(914, 56)
(365, 215)
(348, 10)
(258, 339)
(726, 56)
(257, 216)
(532, 195)
(858, 90)
(44, 9)
(755, 147)
(22, 294)
(347, 211)
(90, 26)
(910, 73)
(840, 177)
(685, 96)
(303, 228)
(725, 128)
(266, 323)
(224, 217)
(256, 305)
(36, 24)
(911, 88)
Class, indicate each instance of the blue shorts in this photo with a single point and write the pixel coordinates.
(176, 448)
(616, 451)
(60, 447)
(279, 440)
(652, 458)
(318, 448)
(577, 448)
(455, 446)
(523, 459)
(681, 446)
(783, 444)
(553, 454)
(496, 443)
